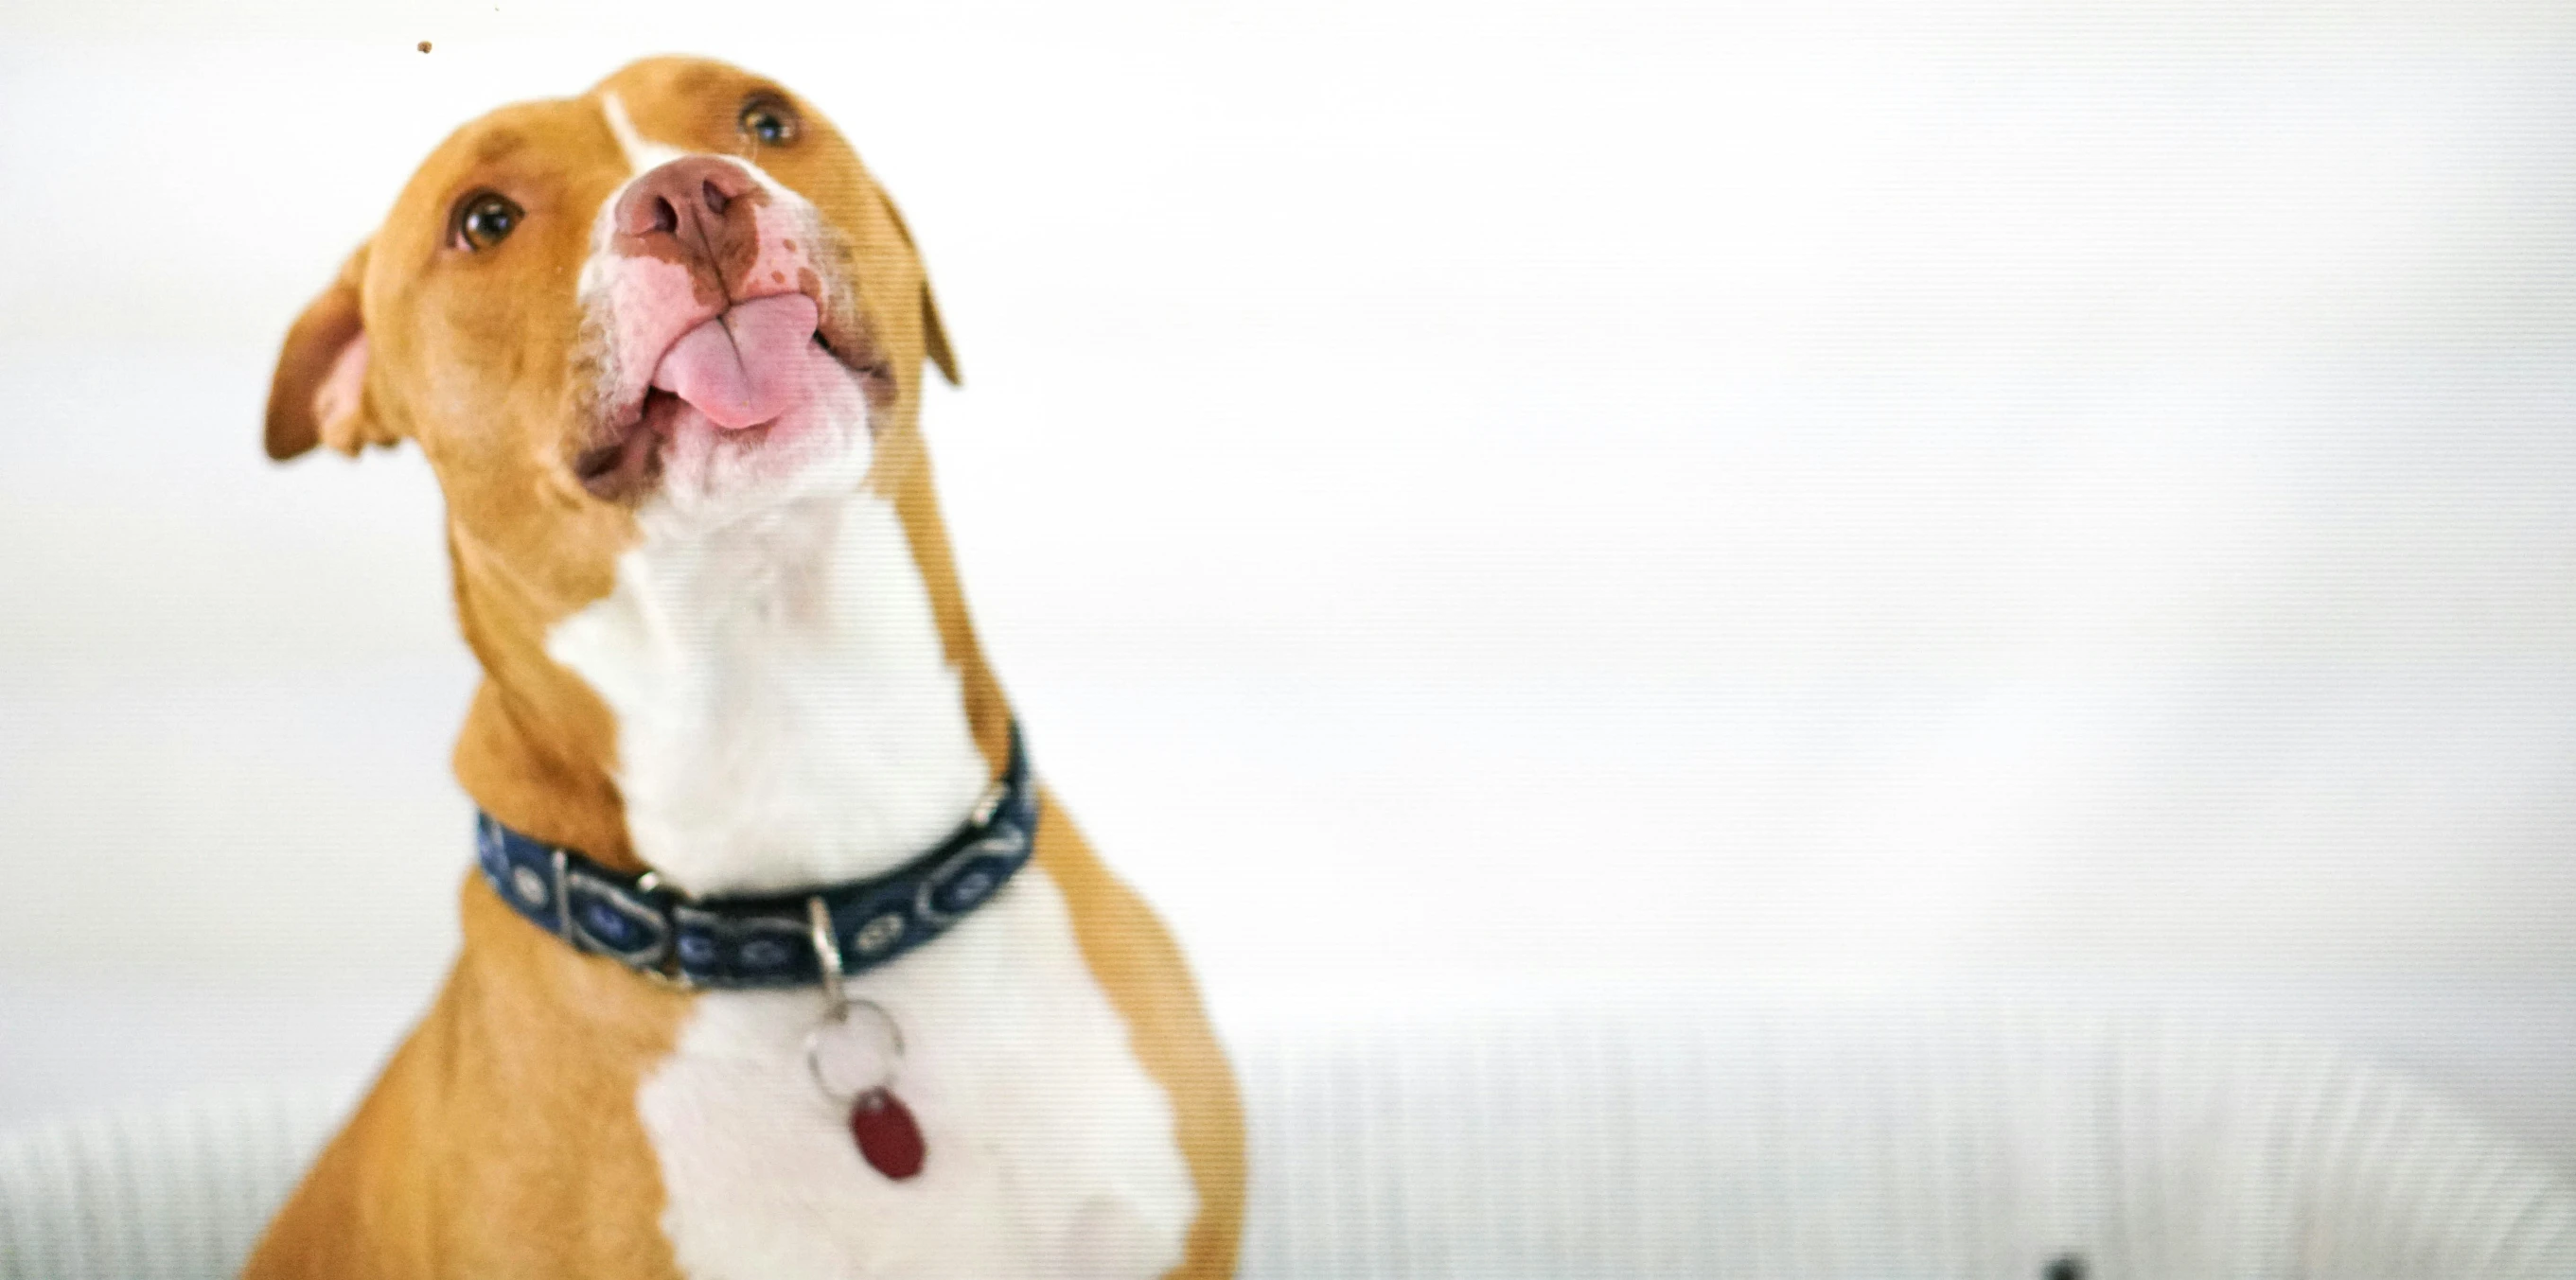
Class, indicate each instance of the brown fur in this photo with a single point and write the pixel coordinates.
(502, 1139)
(1149, 984)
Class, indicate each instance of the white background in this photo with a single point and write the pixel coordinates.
(1470, 501)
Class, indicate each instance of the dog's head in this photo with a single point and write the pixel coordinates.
(677, 295)
(666, 306)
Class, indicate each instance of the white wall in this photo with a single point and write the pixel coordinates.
(1465, 497)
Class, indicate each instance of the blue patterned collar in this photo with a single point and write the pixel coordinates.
(765, 941)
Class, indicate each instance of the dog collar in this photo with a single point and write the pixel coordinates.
(767, 940)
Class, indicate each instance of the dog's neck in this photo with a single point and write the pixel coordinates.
(792, 700)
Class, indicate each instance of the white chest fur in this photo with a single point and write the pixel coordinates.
(1051, 1153)
(786, 717)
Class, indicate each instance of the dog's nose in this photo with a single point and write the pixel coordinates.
(692, 199)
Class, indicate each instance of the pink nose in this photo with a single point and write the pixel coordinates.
(694, 204)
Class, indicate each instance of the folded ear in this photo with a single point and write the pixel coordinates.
(318, 395)
(934, 335)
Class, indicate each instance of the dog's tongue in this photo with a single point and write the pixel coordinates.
(749, 365)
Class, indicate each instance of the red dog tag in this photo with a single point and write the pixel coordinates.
(886, 1134)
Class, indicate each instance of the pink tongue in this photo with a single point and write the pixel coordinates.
(749, 365)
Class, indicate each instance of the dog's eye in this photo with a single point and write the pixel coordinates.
(768, 120)
(484, 219)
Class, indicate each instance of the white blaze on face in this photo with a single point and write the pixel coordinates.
(641, 152)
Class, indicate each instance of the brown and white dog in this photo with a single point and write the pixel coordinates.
(662, 345)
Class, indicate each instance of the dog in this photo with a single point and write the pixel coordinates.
(776, 961)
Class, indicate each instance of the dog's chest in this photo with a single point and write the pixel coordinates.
(1050, 1151)
(787, 716)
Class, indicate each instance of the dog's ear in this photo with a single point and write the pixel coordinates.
(934, 335)
(318, 395)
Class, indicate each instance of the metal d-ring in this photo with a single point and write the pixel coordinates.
(563, 899)
(838, 1004)
(827, 950)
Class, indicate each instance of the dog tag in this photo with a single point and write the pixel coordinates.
(886, 1135)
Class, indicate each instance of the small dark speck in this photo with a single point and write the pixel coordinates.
(424, 46)
(2069, 1267)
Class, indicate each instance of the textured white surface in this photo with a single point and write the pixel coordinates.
(1838, 1142)
(177, 1190)
(1869, 1140)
